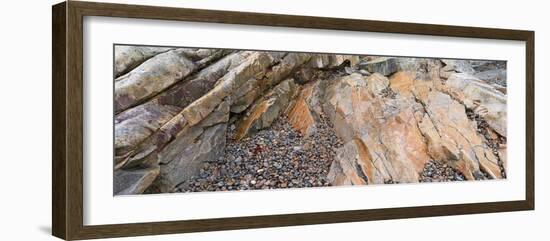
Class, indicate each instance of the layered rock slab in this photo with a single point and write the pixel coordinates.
(484, 96)
(266, 109)
(451, 137)
(135, 125)
(382, 141)
(150, 78)
(129, 57)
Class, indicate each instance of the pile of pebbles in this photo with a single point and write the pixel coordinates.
(274, 158)
(438, 172)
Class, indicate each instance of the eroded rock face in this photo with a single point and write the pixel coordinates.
(134, 181)
(490, 102)
(136, 124)
(459, 66)
(129, 57)
(256, 86)
(181, 159)
(389, 117)
(267, 109)
(382, 65)
(383, 142)
(454, 139)
(151, 77)
(300, 114)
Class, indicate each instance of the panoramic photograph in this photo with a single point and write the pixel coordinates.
(203, 120)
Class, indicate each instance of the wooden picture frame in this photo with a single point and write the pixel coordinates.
(67, 139)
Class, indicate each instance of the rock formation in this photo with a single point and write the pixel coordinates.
(190, 119)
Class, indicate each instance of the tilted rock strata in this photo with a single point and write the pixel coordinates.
(151, 77)
(129, 57)
(383, 142)
(264, 112)
(134, 129)
(395, 116)
(491, 102)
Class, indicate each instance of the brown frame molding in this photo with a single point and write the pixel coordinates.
(67, 121)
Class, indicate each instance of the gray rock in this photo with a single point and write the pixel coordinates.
(460, 66)
(129, 57)
(134, 181)
(267, 109)
(493, 76)
(181, 159)
(150, 78)
(383, 65)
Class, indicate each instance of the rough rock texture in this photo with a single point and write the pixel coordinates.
(383, 65)
(129, 57)
(459, 66)
(300, 113)
(151, 77)
(134, 181)
(273, 158)
(486, 96)
(454, 139)
(191, 119)
(382, 140)
(183, 157)
(267, 109)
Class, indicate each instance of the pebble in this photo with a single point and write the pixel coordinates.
(438, 172)
(273, 158)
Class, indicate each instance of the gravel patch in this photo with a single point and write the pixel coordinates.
(438, 172)
(274, 158)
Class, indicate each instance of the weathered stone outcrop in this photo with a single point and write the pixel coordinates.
(459, 66)
(300, 114)
(451, 137)
(151, 77)
(134, 181)
(256, 86)
(485, 96)
(137, 124)
(383, 65)
(181, 159)
(197, 110)
(388, 118)
(383, 141)
(129, 57)
(327, 61)
(267, 109)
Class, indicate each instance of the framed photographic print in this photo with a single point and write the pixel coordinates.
(171, 120)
